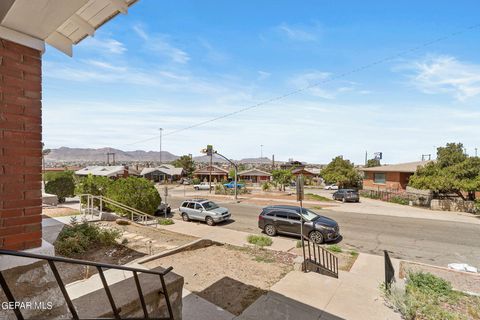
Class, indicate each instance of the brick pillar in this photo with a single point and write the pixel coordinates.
(20, 146)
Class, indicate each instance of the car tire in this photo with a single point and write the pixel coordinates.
(185, 217)
(344, 200)
(316, 237)
(270, 230)
(209, 221)
(196, 188)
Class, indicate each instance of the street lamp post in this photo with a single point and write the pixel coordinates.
(231, 162)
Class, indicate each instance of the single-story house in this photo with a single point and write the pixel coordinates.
(254, 175)
(218, 174)
(107, 171)
(390, 177)
(162, 172)
(302, 171)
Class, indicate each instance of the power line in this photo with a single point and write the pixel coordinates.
(316, 84)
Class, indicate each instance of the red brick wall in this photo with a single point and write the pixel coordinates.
(20, 146)
(395, 181)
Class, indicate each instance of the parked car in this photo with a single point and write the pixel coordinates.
(162, 209)
(185, 181)
(286, 219)
(203, 186)
(330, 187)
(231, 185)
(346, 195)
(203, 210)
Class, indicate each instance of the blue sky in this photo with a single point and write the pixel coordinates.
(175, 64)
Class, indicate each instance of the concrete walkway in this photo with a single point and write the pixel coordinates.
(223, 235)
(311, 296)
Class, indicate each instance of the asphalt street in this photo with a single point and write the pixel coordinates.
(422, 240)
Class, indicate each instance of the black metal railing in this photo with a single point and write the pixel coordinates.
(318, 259)
(389, 271)
(100, 267)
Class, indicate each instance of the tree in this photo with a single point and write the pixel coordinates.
(62, 186)
(282, 177)
(187, 163)
(452, 172)
(94, 185)
(373, 163)
(342, 173)
(138, 193)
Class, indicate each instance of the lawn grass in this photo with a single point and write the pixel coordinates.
(258, 240)
(316, 197)
(165, 221)
(335, 248)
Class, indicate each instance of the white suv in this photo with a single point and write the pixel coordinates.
(203, 210)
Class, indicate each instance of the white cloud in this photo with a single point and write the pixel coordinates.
(160, 43)
(299, 32)
(106, 45)
(446, 74)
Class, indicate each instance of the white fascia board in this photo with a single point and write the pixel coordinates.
(83, 24)
(60, 42)
(22, 38)
(120, 5)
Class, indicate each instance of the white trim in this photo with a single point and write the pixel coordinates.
(60, 42)
(120, 5)
(83, 24)
(22, 38)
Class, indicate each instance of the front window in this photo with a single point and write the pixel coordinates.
(209, 205)
(379, 177)
(309, 215)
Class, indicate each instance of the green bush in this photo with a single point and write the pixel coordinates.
(195, 181)
(138, 193)
(259, 240)
(334, 248)
(165, 221)
(94, 185)
(266, 186)
(428, 283)
(62, 186)
(81, 237)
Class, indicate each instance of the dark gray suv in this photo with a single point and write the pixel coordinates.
(346, 195)
(286, 219)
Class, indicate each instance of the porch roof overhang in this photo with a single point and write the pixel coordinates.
(60, 23)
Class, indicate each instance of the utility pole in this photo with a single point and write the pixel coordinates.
(476, 152)
(261, 151)
(366, 157)
(160, 129)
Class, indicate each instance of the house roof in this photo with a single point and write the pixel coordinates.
(104, 171)
(165, 169)
(254, 172)
(215, 170)
(301, 170)
(409, 167)
(60, 23)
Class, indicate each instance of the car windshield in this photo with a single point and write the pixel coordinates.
(309, 215)
(209, 205)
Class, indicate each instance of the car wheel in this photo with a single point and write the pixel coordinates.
(344, 200)
(316, 237)
(270, 230)
(209, 221)
(196, 188)
(185, 217)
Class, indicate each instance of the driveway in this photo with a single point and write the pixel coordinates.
(423, 240)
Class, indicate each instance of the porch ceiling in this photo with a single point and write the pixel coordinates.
(60, 23)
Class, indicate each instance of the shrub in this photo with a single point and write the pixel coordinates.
(334, 248)
(94, 185)
(80, 237)
(196, 181)
(165, 221)
(266, 186)
(428, 283)
(399, 200)
(259, 240)
(62, 186)
(138, 193)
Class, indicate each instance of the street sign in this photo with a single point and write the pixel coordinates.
(300, 191)
(209, 150)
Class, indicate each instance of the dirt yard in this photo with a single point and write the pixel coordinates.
(58, 212)
(230, 277)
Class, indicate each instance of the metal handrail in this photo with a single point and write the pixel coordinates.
(100, 266)
(143, 216)
(320, 257)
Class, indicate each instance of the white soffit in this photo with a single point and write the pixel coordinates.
(60, 23)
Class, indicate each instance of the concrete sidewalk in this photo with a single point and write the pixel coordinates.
(223, 235)
(355, 295)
